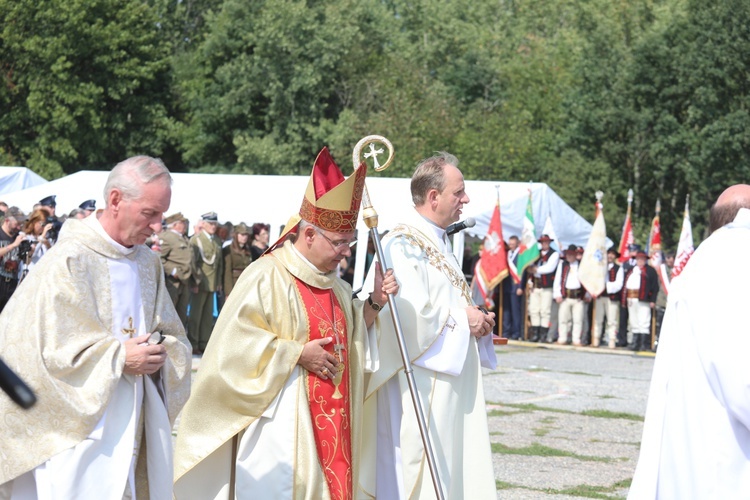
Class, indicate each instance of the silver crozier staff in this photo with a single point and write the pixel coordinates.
(370, 217)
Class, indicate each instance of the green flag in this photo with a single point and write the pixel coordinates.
(528, 251)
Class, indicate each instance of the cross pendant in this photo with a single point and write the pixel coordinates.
(129, 331)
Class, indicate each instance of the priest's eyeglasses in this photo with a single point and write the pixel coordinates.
(340, 244)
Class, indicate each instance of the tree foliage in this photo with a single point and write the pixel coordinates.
(583, 95)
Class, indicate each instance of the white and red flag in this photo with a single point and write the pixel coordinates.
(685, 247)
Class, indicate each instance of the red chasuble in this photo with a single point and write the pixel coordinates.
(329, 399)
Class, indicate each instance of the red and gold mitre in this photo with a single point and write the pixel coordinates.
(331, 200)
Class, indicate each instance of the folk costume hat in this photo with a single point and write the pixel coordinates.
(331, 201)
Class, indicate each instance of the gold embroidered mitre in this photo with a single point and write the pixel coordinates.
(331, 201)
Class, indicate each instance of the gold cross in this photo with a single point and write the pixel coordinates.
(129, 331)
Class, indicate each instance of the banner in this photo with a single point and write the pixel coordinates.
(627, 238)
(493, 259)
(528, 250)
(685, 247)
(592, 271)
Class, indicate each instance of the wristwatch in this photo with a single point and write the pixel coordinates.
(374, 305)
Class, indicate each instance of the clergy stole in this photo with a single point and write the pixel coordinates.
(329, 399)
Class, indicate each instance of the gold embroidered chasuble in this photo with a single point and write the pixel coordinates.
(56, 332)
(253, 351)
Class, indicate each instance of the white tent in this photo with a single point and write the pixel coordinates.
(14, 179)
(273, 199)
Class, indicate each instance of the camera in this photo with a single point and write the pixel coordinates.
(55, 229)
(24, 249)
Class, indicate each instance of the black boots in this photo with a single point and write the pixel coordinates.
(543, 334)
(641, 342)
(534, 334)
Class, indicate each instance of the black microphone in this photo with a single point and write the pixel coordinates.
(15, 387)
(460, 226)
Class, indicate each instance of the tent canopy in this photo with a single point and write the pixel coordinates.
(14, 179)
(273, 199)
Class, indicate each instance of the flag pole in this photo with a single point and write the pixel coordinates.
(598, 207)
(500, 290)
(370, 217)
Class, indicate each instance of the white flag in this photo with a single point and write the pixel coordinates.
(592, 271)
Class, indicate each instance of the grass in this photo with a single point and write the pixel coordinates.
(581, 490)
(503, 413)
(612, 414)
(530, 407)
(539, 450)
(541, 431)
(583, 373)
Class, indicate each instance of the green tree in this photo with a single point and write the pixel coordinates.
(85, 83)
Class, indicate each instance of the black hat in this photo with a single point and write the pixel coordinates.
(571, 248)
(88, 205)
(210, 217)
(614, 251)
(49, 201)
(545, 238)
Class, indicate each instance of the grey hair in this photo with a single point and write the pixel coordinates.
(129, 176)
(430, 174)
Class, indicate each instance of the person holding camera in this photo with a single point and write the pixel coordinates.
(35, 243)
(10, 239)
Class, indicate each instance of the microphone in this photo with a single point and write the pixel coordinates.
(15, 387)
(460, 226)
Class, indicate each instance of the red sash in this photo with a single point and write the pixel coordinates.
(329, 399)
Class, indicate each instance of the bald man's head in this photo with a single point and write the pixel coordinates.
(727, 205)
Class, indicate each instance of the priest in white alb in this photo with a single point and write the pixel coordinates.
(446, 335)
(696, 435)
(94, 334)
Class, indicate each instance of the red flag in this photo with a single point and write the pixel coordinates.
(626, 240)
(493, 257)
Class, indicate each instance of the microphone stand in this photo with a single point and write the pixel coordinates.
(370, 217)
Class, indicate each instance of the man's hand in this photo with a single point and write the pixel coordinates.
(317, 360)
(480, 324)
(519, 292)
(142, 358)
(559, 300)
(385, 284)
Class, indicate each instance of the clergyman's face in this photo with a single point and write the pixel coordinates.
(329, 248)
(141, 217)
(452, 199)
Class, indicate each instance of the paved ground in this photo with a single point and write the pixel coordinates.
(565, 422)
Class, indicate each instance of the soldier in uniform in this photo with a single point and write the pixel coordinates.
(237, 256)
(88, 207)
(568, 293)
(540, 301)
(177, 260)
(641, 287)
(208, 268)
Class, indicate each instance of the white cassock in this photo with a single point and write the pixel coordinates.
(696, 436)
(102, 466)
(431, 303)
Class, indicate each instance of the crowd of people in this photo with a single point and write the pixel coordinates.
(201, 268)
(549, 304)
